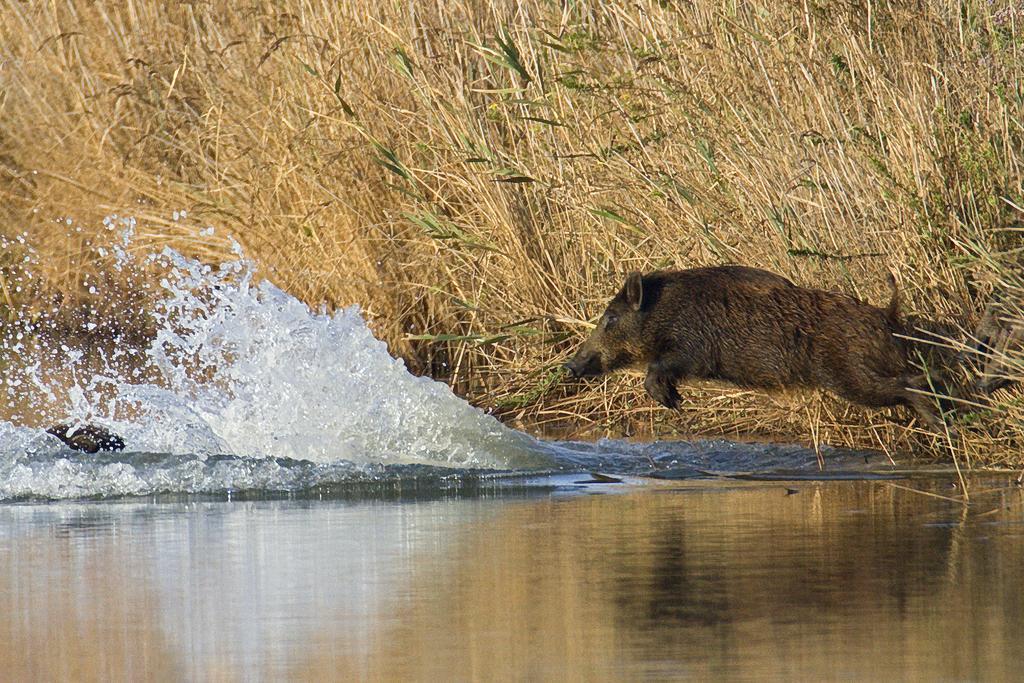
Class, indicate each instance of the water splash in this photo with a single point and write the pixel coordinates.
(240, 368)
(279, 379)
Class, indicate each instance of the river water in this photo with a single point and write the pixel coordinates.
(523, 579)
(294, 504)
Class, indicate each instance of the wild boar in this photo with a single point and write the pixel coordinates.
(755, 329)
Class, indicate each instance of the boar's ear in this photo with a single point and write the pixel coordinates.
(634, 290)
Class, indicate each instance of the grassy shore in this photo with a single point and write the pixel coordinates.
(479, 176)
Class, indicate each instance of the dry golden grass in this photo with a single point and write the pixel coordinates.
(479, 175)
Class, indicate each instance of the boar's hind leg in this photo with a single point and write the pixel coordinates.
(925, 406)
(661, 383)
(888, 391)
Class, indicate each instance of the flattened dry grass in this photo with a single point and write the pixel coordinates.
(479, 176)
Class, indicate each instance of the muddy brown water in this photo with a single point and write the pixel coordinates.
(549, 580)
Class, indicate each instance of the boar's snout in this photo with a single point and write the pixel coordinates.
(584, 364)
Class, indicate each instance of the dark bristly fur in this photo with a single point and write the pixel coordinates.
(754, 329)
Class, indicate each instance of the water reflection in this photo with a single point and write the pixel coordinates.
(857, 580)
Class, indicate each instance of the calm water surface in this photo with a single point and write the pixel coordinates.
(853, 580)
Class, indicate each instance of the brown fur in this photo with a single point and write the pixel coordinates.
(753, 329)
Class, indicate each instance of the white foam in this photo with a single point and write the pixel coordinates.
(248, 370)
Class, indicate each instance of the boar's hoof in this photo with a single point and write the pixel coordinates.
(87, 438)
(662, 389)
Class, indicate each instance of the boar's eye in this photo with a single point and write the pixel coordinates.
(610, 319)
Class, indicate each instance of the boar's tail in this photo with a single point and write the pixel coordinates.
(892, 311)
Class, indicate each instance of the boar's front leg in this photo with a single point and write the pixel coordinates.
(661, 383)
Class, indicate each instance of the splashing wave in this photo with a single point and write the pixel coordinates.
(248, 371)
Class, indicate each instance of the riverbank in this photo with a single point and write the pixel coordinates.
(479, 177)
